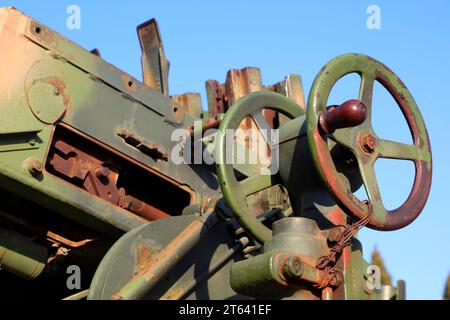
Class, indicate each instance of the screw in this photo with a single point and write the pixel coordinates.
(34, 166)
(368, 142)
(293, 267)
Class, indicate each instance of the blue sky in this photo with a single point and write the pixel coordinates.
(203, 39)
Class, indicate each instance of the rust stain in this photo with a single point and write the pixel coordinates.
(174, 294)
(346, 254)
(171, 249)
(60, 85)
(143, 209)
(143, 256)
(337, 216)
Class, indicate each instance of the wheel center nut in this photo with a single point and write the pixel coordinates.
(368, 142)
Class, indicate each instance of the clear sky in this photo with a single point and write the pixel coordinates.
(203, 39)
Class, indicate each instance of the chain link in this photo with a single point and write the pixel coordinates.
(327, 262)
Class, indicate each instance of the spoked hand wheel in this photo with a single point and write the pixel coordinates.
(234, 191)
(366, 145)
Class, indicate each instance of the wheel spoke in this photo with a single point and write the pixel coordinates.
(263, 127)
(367, 171)
(343, 136)
(397, 150)
(257, 183)
(366, 94)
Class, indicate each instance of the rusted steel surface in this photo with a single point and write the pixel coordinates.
(143, 209)
(240, 82)
(292, 88)
(212, 123)
(112, 151)
(368, 142)
(153, 150)
(217, 98)
(85, 169)
(143, 256)
(70, 243)
(98, 178)
(191, 103)
(155, 66)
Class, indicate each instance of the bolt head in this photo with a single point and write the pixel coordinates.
(293, 267)
(368, 142)
(101, 172)
(34, 166)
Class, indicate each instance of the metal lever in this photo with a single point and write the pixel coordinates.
(349, 114)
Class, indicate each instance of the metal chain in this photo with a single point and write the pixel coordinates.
(327, 262)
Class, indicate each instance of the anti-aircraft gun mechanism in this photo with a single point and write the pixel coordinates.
(87, 176)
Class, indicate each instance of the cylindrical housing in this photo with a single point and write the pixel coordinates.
(21, 256)
(258, 276)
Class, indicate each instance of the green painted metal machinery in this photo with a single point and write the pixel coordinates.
(95, 177)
